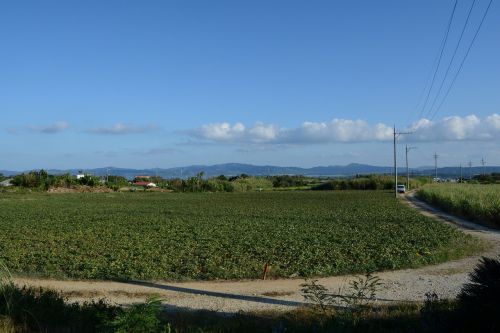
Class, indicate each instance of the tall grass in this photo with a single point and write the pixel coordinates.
(480, 203)
(6, 323)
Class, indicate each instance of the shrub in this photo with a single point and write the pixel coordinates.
(479, 300)
(288, 181)
(361, 291)
(365, 182)
(139, 318)
(47, 311)
(437, 315)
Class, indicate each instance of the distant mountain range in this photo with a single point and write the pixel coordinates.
(231, 169)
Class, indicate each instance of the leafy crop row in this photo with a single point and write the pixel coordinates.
(217, 235)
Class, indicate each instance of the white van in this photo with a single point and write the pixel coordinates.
(401, 189)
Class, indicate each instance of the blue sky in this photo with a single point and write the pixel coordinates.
(168, 83)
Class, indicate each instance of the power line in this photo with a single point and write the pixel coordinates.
(463, 60)
(452, 57)
(429, 75)
(440, 57)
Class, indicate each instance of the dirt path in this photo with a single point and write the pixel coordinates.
(445, 279)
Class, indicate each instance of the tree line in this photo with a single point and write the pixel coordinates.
(368, 182)
(41, 180)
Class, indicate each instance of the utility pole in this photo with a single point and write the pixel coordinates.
(407, 167)
(483, 162)
(396, 134)
(435, 166)
(395, 165)
(470, 170)
(460, 173)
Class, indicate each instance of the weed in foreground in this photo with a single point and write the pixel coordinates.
(349, 303)
(140, 318)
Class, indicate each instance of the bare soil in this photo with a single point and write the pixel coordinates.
(80, 189)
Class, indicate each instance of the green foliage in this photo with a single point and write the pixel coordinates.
(366, 182)
(176, 184)
(288, 181)
(33, 179)
(477, 310)
(218, 235)
(492, 178)
(348, 304)
(221, 177)
(240, 176)
(241, 183)
(65, 180)
(361, 291)
(42, 180)
(478, 202)
(116, 181)
(139, 318)
(46, 311)
(319, 296)
(438, 315)
(7, 325)
(89, 180)
(479, 299)
(52, 315)
(305, 320)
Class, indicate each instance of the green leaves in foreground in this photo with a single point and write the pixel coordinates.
(140, 318)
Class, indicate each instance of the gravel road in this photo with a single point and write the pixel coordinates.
(444, 279)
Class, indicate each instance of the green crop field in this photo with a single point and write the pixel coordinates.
(475, 201)
(218, 235)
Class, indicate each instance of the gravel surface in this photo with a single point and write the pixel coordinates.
(444, 279)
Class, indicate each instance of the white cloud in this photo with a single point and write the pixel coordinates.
(263, 133)
(493, 121)
(338, 130)
(56, 127)
(220, 131)
(121, 129)
(456, 128)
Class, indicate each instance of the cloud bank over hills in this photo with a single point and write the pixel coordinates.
(454, 128)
